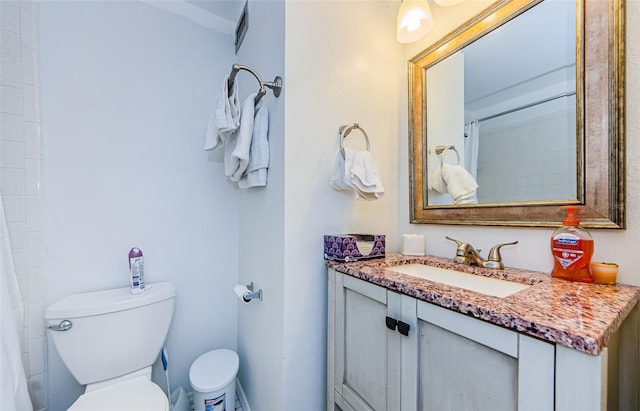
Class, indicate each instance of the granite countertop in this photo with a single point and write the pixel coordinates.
(576, 315)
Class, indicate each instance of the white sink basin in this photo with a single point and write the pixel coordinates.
(472, 282)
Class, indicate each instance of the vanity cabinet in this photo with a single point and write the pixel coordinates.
(446, 360)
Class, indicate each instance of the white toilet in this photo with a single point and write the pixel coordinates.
(109, 340)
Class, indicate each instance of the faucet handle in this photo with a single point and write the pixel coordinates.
(494, 253)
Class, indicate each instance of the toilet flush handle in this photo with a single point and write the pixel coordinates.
(63, 326)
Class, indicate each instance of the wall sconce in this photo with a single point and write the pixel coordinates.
(415, 18)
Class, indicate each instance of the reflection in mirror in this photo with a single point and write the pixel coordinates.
(507, 103)
(551, 121)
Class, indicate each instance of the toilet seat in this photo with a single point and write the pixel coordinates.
(137, 394)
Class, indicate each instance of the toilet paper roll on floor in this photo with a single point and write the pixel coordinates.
(242, 292)
(413, 244)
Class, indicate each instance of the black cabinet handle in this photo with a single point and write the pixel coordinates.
(391, 323)
(403, 328)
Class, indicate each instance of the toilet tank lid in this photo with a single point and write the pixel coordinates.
(108, 301)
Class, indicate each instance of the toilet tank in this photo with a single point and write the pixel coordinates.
(113, 332)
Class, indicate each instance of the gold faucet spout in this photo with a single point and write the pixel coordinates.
(466, 254)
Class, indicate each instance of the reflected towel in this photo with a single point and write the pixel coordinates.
(461, 186)
(435, 181)
(225, 119)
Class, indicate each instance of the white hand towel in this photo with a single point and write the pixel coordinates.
(342, 164)
(225, 119)
(236, 154)
(365, 178)
(256, 174)
(460, 184)
(357, 172)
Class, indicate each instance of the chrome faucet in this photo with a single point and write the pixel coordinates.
(467, 255)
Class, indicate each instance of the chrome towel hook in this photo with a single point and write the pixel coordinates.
(344, 132)
(275, 85)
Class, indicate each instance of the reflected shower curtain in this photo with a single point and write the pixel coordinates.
(14, 394)
(471, 143)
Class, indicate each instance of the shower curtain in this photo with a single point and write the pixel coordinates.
(14, 394)
(471, 143)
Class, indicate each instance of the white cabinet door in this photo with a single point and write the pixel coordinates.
(446, 360)
(462, 363)
(366, 354)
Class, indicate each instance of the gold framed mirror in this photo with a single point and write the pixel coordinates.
(598, 151)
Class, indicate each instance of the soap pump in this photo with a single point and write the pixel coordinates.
(572, 247)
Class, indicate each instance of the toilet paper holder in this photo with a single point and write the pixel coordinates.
(252, 294)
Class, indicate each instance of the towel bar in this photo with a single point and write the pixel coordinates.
(344, 132)
(442, 151)
(275, 85)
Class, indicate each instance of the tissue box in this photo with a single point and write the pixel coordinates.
(353, 247)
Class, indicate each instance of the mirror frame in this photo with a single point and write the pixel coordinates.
(600, 122)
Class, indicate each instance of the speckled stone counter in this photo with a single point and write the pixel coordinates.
(576, 315)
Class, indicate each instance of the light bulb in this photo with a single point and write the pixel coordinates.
(414, 20)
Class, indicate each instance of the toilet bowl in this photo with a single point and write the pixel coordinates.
(138, 394)
(109, 340)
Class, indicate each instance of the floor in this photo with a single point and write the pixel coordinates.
(238, 404)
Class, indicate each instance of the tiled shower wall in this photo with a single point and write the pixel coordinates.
(533, 159)
(20, 176)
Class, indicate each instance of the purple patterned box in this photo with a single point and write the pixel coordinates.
(353, 247)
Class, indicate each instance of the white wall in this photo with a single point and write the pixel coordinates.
(337, 69)
(351, 73)
(445, 124)
(343, 66)
(126, 94)
(533, 250)
(20, 177)
(261, 228)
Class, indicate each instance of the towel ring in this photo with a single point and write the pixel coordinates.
(344, 132)
(442, 151)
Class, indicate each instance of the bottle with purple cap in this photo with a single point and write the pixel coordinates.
(136, 269)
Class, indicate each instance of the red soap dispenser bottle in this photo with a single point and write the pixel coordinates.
(572, 248)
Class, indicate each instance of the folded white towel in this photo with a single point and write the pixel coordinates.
(236, 154)
(225, 119)
(435, 181)
(357, 172)
(365, 178)
(461, 185)
(469, 198)
(256, 173)
(340, 166)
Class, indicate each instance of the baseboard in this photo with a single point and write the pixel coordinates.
(242, 397)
